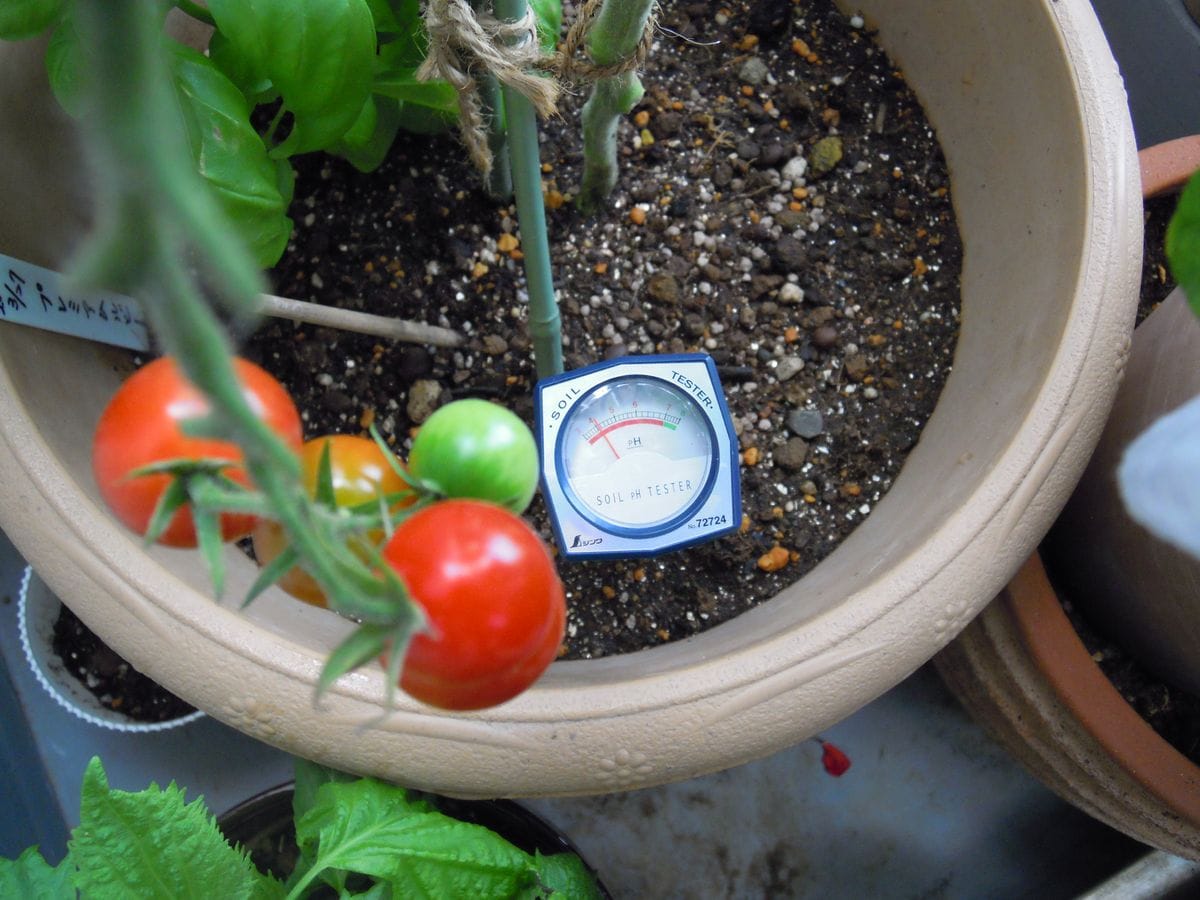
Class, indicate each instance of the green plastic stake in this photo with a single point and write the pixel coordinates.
(545, 326)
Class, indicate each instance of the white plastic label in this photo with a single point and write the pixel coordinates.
(34, 296)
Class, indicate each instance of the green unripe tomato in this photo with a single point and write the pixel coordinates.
(476, 449)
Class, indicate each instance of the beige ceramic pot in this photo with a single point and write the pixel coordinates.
(1032, 116)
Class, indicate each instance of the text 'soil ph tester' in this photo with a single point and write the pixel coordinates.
(638, 456)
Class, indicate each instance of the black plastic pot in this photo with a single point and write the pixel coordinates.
(264, 826)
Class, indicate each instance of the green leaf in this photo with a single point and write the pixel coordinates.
(1183, 242)
(566, 876)
(548, 14)
(255, 86)
(231, 156)
(309, 778)
(271, 573)
(383, 16)
(29, 875)
(367, 642)
(419, 119)
(407, 41)
(366, 145)
(20, 19)
(151, 844)
(325, 493)
(212, 548)
(64, 67)
(318, 54)
(402, 84)
(372, 828)
(169, 502)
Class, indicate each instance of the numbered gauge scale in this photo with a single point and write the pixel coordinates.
(638, 456)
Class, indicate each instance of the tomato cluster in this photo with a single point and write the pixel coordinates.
(493, 601)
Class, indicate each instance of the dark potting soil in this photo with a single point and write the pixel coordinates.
(783, 205)
(115, 683)
(1156, 278)
(1172, 712)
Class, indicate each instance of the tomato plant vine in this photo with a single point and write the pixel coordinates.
(179, 152)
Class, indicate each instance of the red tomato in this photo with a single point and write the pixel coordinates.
(140, 426)
(360, 473)
(493, 599)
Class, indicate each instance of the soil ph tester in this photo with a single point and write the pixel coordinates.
(638, 456)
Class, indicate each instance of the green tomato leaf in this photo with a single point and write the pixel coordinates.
(170, 502)
(271, 573)
(212, 548)
(365, 643)
(1183, 242)
(20, 19)
(231, 156)
(151, 844)
(372, 828)
(29, 875)
(318, 54)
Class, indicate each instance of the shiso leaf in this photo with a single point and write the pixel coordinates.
(565, 877)
(374, 829)
(29, 875)
(152, 844)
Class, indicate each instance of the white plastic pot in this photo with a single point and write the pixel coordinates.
(1032, 116)
(37, 611)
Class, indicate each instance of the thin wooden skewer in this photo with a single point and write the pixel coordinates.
(360, 322)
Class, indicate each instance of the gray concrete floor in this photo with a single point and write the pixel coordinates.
(930, 807)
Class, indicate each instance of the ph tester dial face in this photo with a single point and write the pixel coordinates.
(636, 453)
(638, 456)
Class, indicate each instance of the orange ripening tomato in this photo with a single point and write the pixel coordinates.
(141, 426)
(495, 606)
(360, 473)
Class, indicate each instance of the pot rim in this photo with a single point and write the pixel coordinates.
(36, 608)
(1078, 681)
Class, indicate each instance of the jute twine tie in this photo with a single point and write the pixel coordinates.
(463, 40)
(568, 64)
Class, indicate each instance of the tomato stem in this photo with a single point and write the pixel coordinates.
(162, 237)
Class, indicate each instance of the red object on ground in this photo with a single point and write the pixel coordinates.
(836, 762)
